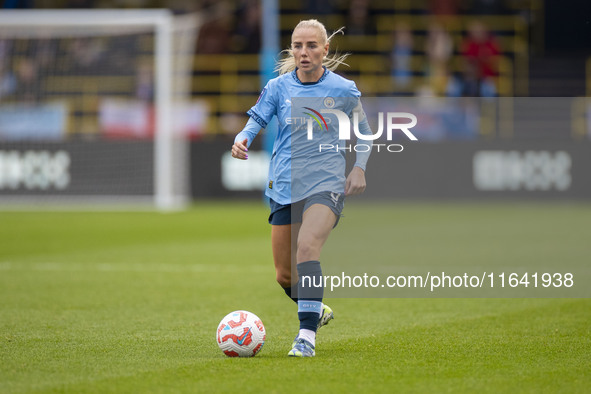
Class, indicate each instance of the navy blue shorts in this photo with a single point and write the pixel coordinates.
(293, 213)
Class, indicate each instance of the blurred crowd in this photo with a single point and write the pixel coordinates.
(234, 26)
(237, 30)
(24, 64)
(478, 52)
(230, 27)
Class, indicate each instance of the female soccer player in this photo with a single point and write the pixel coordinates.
(306, 184)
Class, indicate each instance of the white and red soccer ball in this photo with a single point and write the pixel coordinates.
(241, 334)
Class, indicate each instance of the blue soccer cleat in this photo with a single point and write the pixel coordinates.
(302, 348)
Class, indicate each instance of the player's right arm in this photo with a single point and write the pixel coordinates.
(244, 139)
(260, 115)
(239, 150)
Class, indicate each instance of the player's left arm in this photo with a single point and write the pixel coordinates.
(355, 183)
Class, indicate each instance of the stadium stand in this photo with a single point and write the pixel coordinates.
(230, 80)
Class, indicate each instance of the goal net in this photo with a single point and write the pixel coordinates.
(94, 107)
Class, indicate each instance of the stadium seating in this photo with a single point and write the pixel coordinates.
(232, 81)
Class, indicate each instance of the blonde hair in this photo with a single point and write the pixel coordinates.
(331, 62)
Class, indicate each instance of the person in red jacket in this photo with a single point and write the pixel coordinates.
(481, 53)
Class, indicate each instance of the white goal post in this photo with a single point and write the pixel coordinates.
(173, 39)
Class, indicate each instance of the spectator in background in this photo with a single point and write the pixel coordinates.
(439, 49)
(5, 48)
(44, 54)
(480, 52)
(358, 20)
(247, 36)
(144, 82)
(215, 35)
(401, 55)
(7, 77)
(444, 7)
(28, 84)
(7, 80)
(88, 53)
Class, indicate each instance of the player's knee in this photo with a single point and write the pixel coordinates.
(284, 279)
(307, 251)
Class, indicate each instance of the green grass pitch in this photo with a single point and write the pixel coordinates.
(129, 302)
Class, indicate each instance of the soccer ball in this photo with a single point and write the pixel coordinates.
(241, 334)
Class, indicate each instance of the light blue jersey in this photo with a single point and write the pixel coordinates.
(298, 169)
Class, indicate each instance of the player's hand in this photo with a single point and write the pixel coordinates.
(239, 150)
(355, 182)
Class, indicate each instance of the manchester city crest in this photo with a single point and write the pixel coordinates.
(329, 102)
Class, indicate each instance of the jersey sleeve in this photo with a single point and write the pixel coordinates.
(266, 106)
(353, 91)
(249, 131)
(362, 155)
(354, 102)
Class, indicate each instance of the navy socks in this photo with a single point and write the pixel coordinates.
(310, 293)
(292, 292)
